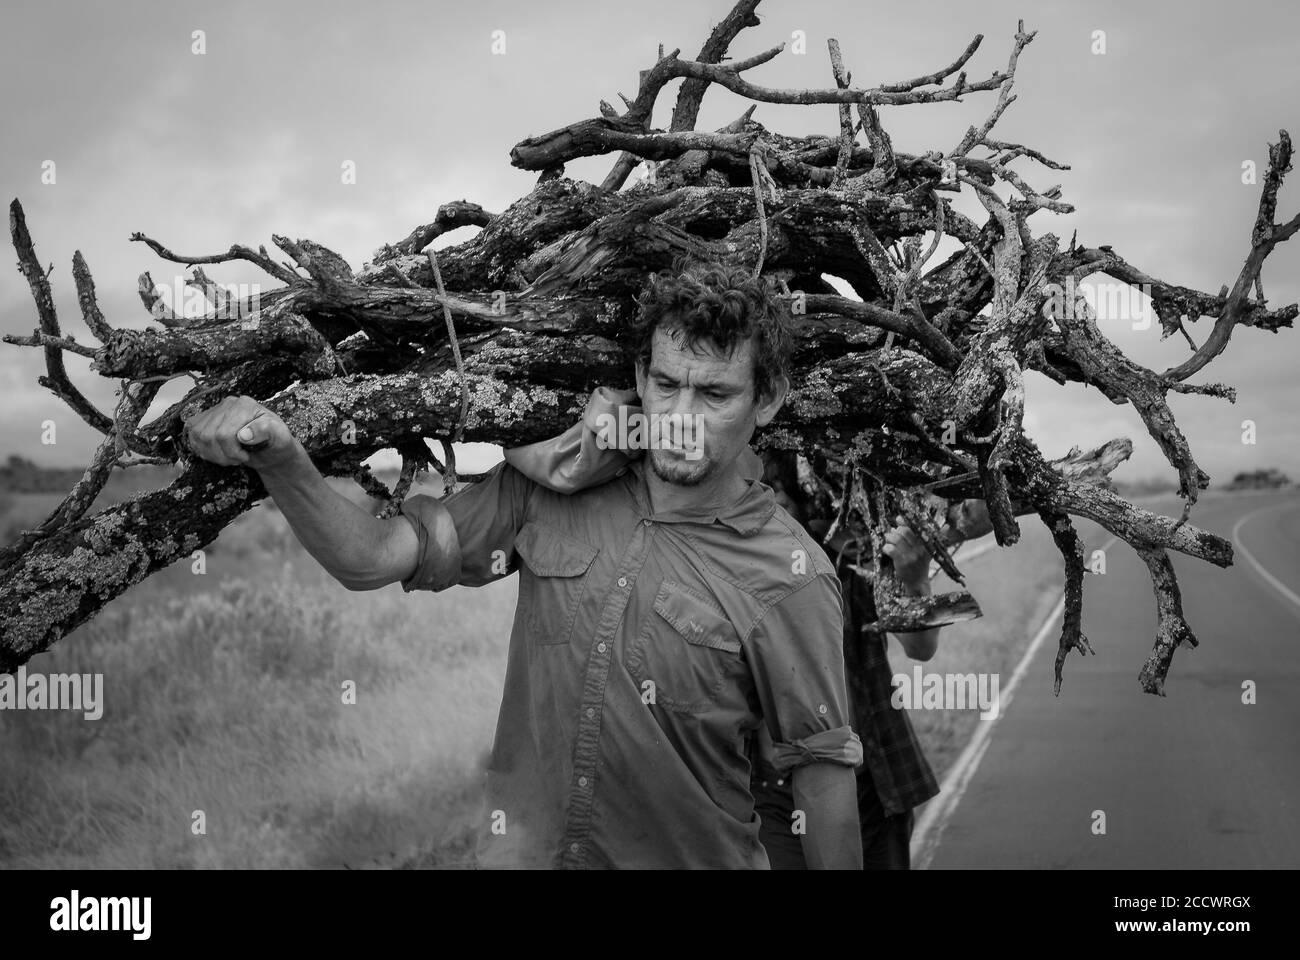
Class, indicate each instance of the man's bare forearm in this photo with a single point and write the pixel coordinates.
(920, 644)
(360, 551)
(827, 793)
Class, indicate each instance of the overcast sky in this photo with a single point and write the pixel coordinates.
(248, 139)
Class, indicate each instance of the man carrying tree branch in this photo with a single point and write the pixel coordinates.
(894, 777)
(664, 616)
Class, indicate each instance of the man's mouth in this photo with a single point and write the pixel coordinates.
(680, 451)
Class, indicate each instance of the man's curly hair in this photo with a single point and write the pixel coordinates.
(719, 303)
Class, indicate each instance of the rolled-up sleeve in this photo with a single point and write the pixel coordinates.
(796, 653)
(468, 538)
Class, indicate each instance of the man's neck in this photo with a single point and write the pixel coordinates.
(721, 490)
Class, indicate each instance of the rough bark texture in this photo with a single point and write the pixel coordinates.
(906, 400)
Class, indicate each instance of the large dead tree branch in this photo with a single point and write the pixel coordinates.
(908, 396)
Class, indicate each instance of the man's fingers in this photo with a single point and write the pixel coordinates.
(230, 447)
(234, 416)
(228, 432)
(901, 533)
(193, 427)
(204, 445)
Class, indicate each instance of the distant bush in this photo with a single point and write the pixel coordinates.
(1266, 479)
(21, 475)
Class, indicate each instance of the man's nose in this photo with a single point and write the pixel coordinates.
(685, 401)
(679, 426)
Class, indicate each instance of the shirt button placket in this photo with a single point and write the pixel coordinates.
(586, 754)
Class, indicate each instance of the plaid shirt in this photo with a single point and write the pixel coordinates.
(892, 754)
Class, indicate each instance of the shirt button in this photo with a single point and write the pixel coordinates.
(591, 712)
(622, 581)
(647, 521)
(602, 646)
(573, 848)
(821, 708)
(582, 781)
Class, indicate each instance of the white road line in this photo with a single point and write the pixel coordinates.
(1273, 581)
(929, 829)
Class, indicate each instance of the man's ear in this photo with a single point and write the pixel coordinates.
(770, 403)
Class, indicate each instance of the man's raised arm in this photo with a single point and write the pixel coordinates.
(360, 551)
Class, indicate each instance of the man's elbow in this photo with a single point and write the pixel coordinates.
(375, 565)
(919, 646)
(358, 586)
(373, 577)
(924, 651)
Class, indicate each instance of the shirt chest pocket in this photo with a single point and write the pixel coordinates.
(552, 583)
(686, 653)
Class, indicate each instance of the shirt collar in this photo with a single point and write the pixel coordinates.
(746, 516)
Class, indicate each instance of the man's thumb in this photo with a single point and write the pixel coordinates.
(618, 396)
(256, 432)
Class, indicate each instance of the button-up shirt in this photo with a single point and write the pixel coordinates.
(646, 650)
(892, 756)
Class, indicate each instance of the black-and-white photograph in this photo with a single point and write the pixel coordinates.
(689, 435)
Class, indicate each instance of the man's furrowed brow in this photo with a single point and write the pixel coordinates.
(701, 383)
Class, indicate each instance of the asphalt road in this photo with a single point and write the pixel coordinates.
(1192, 780)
